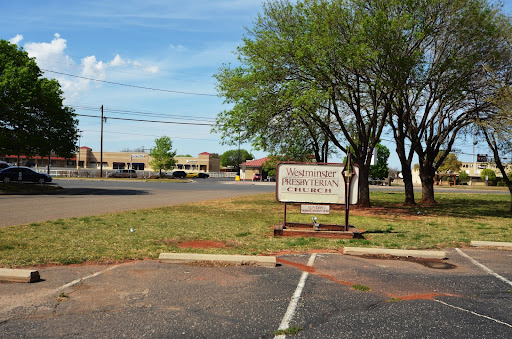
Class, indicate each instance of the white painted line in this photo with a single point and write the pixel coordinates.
(485, 268)
(35, 298)
(290, 312)
(474, 313)
(74, 282)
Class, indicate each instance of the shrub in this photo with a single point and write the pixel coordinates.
(491, 176)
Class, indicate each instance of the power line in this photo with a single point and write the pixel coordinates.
(127, 85)
(147, 135)
(154, 114)
(142, 120)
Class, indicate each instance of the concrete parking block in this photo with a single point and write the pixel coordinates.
(395, 252)
(178, 258)
(19, 275)
(507, 245)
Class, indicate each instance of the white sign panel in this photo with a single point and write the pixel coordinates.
(314, 209)
(314, 183)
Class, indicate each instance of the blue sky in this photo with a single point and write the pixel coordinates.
(174, 46)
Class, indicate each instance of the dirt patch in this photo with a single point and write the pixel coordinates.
(202, 244)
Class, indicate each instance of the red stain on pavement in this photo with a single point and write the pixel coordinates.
(312, 270)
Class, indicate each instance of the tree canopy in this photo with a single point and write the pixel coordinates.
(162, 154)
(233, 158)
(350, 68)
(380, 169)
(34, 119)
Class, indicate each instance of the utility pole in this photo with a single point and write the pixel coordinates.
(101, 145)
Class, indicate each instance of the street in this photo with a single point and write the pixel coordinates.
(92, 197)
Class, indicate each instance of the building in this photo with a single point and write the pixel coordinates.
(86, 158)
(251, 167)
(205, 162)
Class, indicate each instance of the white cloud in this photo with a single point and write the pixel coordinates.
(52, 57)
(16, 39)
(178, 48)
(117, 61)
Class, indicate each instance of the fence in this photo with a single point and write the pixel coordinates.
(87, 173)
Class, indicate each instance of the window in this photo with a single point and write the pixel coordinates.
(138, 166)
(118, 165)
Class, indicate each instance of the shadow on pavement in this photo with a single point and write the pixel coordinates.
(102, 191)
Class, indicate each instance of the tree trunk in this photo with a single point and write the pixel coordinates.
(408, 185)
(407, 176)
(364, 188)
(427, 187)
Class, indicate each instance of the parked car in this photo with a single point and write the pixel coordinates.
(256, 177)
(178, 174)
(203, 175)
(23, 174)
(124, 173)
(192, 175)
(4, 164)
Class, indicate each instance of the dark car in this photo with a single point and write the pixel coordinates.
(203, 175)
(23, 174)
(178, 174)
(4, 164)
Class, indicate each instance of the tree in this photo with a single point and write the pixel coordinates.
(33, 120)
(450, 164)
(380, 169)
(311, 63)
(488, 175)
(463, 177)
(56, 126)
(235, 157)
(439, 76)
(497, 129)
(162, 154)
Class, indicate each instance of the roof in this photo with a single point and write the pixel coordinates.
(204, 153)
(85, 147)
(255, 163)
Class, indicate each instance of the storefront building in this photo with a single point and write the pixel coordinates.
(86, 158)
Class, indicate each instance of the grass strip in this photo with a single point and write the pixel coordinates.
(244, 225)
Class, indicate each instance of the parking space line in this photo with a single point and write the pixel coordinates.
(290, 311)
(485, 268)
(474, 313)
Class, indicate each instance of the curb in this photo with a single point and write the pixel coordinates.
(507, 245)
(240, 260)
(18, 275)
(396, 253)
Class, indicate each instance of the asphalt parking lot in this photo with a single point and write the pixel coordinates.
(455, 298)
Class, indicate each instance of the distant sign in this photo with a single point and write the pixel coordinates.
(315, 209)
(313, 183)
(481, 158)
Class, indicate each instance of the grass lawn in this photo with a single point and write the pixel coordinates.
(245, 226)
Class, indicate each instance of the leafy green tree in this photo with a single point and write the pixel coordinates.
(450, 164)
(439, 75)
(162, 154)
(310, 63)
(488, 175)
(235, 157)
(380, 169)
(33, 119)
(56, 126)
(463, 177)
(496, 128)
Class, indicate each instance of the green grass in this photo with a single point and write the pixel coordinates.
(245, 226)
(362, 288)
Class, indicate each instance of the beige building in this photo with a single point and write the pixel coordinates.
(473, 169)
(86, 158)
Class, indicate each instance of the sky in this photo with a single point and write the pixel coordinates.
(144, 60)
